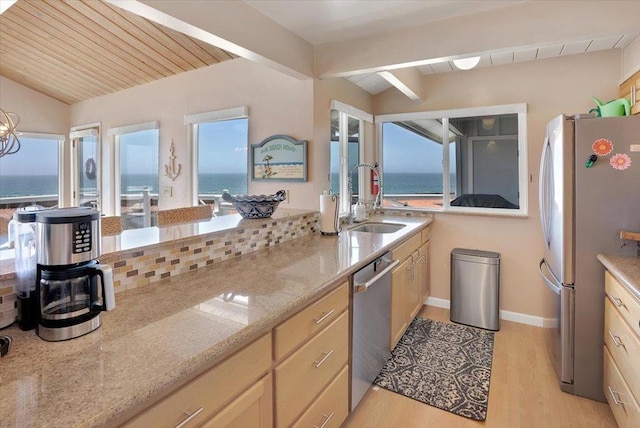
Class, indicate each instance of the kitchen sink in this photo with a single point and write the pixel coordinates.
(377, 227)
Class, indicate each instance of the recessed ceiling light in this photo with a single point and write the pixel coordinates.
(466, 63)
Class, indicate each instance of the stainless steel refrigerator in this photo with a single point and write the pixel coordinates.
(589, 192)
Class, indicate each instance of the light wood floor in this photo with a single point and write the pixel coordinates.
(523, 392)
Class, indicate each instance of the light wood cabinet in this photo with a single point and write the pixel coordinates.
(623, 405)
(409, 283)
(621, 371)
(630, 89)
(425, 272)
(253, 408)
(307, 322)
(305, 374)
(400, 282)
(332, 406)
(205, 396)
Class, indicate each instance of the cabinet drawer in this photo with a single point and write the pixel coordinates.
(332, 406)
(625, 409)
(426, 234)
(624, 346)
(253, 408)
(407, 248)
(309, 321)
(210, 390)
(626, 304)
(307, 371)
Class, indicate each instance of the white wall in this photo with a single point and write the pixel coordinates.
(631, 59)
(278, 104)
(549, 87)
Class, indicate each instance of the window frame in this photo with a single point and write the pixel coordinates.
(193, 121)
(116, 132)
(346, 111)
(523, 173)
(77, 132)
(60, 140)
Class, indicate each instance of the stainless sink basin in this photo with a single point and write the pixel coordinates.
(377, 227)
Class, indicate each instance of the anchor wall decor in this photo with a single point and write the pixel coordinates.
(170, 168)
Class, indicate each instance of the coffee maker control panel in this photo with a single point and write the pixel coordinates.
(81, 237)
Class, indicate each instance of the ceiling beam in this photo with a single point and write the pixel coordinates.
(233, 26)
(530, 23)
(406, 80)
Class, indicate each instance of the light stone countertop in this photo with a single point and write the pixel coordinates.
(625, 269)
(161, 335)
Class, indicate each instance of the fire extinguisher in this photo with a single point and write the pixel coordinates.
(375, 185)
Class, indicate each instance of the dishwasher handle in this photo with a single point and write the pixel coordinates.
(358, 288)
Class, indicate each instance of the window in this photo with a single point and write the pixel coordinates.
(412, 167)
(30, 177)
(220, 141)
(137, 180)
(87, 166)
(467, 160)
(346, 150)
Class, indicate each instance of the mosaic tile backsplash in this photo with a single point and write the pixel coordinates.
(139, 267)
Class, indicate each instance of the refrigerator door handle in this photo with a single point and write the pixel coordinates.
(552, 282)
(545, 189)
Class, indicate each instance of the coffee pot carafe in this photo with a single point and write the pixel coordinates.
(73, 288)
(22, 236)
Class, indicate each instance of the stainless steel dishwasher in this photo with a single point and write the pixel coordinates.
(371, 324)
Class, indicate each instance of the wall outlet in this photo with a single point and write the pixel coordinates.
(286, 201)
(167, 191)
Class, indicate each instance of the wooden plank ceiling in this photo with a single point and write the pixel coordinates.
(74, 50)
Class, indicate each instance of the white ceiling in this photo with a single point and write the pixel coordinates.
(325, 21)
(332, 21)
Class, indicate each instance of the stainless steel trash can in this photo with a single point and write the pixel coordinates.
(475, 288)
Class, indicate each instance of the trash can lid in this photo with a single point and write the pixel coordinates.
(478, 256)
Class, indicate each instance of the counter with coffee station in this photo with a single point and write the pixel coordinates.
(184, 306)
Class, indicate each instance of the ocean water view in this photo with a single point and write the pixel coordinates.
(394, 183)
(33, 185)
(400, 183)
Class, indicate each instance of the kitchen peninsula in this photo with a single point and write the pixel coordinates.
(165, 334)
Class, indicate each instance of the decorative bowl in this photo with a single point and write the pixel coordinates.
(255, 206)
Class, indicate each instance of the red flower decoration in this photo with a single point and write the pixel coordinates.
(620, 161)
(602, 147)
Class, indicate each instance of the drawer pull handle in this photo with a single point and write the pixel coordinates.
(317, 364)
(190, 417)
(616, 301)
(327, 418)
(324, 316)
(616, 397)
(616, 340)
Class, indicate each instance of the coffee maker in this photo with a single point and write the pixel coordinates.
(72, 287)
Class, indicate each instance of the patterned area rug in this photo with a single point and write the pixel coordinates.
(445, 365)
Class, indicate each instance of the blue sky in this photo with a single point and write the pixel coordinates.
(35, 157)
(223, 146)
(406, 151)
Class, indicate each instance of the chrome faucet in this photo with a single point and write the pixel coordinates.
(377, 203)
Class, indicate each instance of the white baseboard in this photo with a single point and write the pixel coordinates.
(504, 315)
(438, 303)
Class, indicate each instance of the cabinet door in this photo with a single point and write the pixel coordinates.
(201, 398)
(414, 290)
(400, 278)
(251, 409)
(425, 272)
(301, 377)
